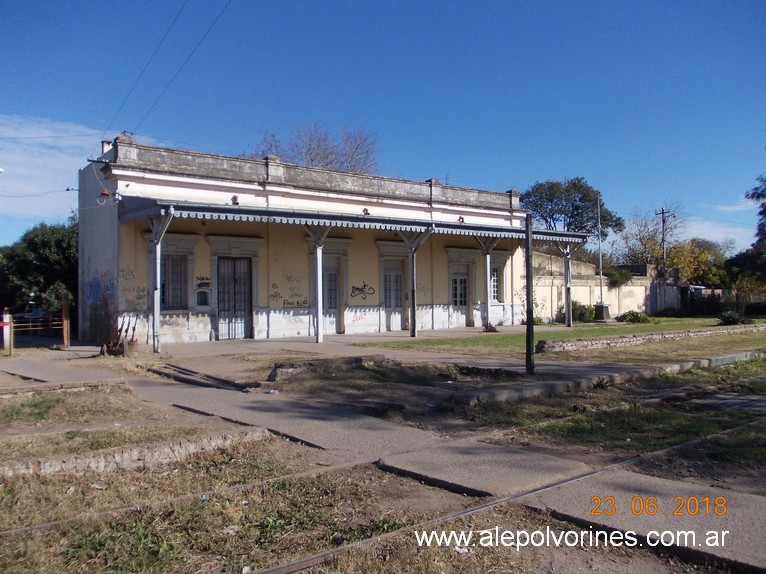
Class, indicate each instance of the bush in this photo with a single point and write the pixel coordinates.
(583, 313)
(632, 317)
(730, 318)
(618, 276)
(755, 309)
(669, 312)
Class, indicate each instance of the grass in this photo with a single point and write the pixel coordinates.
(33, 409)
(514, 344)
(665, 351)
(77, 441)
(743, 376)
(34, 500)
(107, 402)
(742, 448)
(264, 524)
(641, 428)
(577, 417)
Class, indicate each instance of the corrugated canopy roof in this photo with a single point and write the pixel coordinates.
(135, 208)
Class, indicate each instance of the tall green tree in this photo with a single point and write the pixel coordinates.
(570, 205)
(752, 261)
(43, 262)
(758, 194)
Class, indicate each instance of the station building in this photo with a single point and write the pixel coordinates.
(182, 246)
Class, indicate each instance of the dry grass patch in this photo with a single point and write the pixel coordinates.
(263, 524)
(78, 441)
(80, 405)
(40, 499)
(668, 350)
(401, 553)
(735, 460)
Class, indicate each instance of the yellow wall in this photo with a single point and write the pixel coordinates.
(363, 269)
(132, 269)
(287, 271)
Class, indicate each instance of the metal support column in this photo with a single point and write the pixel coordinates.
(159, 227)
(530, 294)
(413, 243)
(318, 236)
(486, 248)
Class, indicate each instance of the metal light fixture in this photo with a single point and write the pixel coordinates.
(107, 195)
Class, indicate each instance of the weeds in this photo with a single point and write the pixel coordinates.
(34, 409)
(642, 428)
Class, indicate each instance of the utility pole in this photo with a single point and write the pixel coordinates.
(664, 214)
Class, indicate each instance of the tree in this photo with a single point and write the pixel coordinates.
(44, 262)
(712, 273)
(753, 259)
(642, 237)
(758, 194)
(570, 205)
(354, 150)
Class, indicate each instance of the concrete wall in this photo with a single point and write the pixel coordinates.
(642, 294)
(98, 256)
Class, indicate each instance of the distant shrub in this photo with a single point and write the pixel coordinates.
(618, 276)
(730, 318)
(632, 317)
(583, 313)
(755, 309)
(669, 312)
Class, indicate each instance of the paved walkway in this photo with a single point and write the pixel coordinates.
(568, 486)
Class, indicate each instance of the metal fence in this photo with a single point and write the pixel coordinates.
(35, 325)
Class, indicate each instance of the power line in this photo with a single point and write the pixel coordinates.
(37, 194)
(199, 43)
(146, 66)
(49, 137)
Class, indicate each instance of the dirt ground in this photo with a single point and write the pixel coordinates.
(413, 397)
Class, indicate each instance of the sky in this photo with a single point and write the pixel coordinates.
(652, 102)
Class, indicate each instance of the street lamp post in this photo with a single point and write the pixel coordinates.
(602, 310)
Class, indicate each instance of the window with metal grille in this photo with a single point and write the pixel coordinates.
(495, 283)
(330, 290)
(459, 291)
(392, 290)
(173, 282)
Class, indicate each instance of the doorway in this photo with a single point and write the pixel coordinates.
(234, 298)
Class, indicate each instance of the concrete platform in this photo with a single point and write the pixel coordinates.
(483, 469)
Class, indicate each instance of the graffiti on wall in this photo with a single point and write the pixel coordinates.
(362, 290)
(100, 302)
(294, 293)
(203, 282)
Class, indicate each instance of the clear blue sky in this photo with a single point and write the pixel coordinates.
(651, 102)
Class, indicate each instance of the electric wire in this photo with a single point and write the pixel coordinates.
(37, 194)
(146, 66)
(178, 72)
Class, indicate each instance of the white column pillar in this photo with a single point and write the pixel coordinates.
(320, 310)
(156, 310)
(487, 285)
